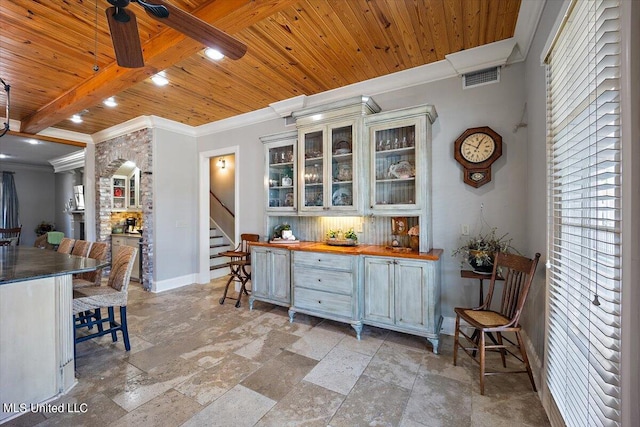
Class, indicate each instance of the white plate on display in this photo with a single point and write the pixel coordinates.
(342, 197)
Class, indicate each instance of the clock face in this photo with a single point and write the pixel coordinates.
(477, 147)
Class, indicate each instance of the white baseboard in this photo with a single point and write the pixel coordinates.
(173, 283)
(220, 272)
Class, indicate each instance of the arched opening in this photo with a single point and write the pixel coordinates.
(110, 156)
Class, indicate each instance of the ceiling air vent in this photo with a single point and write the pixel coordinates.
(482, 77)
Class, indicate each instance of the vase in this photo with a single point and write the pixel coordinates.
(487, 265)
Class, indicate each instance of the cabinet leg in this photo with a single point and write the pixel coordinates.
(436, 344)
(291, 314)
(358, 329)
(251, 299)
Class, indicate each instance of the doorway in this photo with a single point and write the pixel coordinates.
(226, 180)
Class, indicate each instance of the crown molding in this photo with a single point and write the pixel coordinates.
(69, 162)
(66, 134)
(528, 19)
(25, 166)
(490, 55)
(288, 106)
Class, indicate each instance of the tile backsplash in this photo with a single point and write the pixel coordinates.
(118, 218)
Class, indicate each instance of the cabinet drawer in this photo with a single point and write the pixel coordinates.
(323, 280)
(323, 302)
(322, 260)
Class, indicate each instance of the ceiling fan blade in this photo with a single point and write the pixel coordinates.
(197, 29)
(124, 34)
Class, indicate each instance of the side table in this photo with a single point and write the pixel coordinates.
(470, 274)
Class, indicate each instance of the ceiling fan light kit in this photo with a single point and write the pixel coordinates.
(126, 40)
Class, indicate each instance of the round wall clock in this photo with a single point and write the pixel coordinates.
(476, 150)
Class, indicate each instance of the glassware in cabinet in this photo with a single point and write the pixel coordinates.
(313, 169)
(395, 166)
(281, 172)
(328, 167)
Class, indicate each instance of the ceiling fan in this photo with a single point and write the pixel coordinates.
(126, 41)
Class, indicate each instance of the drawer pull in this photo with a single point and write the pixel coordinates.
(319, 302)
(319, 280)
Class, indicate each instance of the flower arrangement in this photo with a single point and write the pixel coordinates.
(44, 227)
(479, 250)
(338, 234)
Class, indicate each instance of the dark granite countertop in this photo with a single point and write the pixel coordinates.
(21, 263)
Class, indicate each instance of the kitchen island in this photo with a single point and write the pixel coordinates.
(36, 325)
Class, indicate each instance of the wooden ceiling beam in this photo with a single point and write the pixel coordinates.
(162, 51)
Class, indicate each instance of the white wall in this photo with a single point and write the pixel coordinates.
(175, 189)
(64, 191)
(36, 195)
(533, 317)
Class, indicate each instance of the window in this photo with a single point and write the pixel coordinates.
(583, 122)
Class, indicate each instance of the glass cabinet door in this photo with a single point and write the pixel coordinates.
(281, 178)
(119, 192)
(393, 167)
(313, 170)
(342, 168)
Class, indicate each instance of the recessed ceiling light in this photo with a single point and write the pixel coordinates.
(160, 79)
(76, 118)
(33, 141)
(110, 102)
(214, 54)
(4, 156)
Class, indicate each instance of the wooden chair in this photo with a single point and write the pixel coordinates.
(10, 236)
(81, 248)
(99, 251)
(114, 294)
(66, 245)
(517, 272)
(240, 260)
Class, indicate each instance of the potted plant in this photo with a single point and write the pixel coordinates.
(479, 251)
(338, 237)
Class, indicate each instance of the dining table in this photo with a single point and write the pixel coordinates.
(36, 325)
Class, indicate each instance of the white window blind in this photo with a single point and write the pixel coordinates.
(583, 122)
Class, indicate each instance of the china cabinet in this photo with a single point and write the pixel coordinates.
(270, 276)
(403, 295)
(399, 161)
(281, 172)
(119, 192)
(125, 191)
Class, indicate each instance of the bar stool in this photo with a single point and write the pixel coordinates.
(240, 260)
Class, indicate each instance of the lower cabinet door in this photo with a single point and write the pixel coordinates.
(411, 294)
(280, 283)
(259, 272)
(379, 297)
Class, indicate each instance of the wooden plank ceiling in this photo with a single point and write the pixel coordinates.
(48, 50)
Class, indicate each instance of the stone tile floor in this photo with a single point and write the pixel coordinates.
(195, 362)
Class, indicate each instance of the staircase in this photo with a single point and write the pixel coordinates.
(218, 243)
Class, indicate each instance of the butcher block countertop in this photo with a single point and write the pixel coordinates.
(375, 250)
